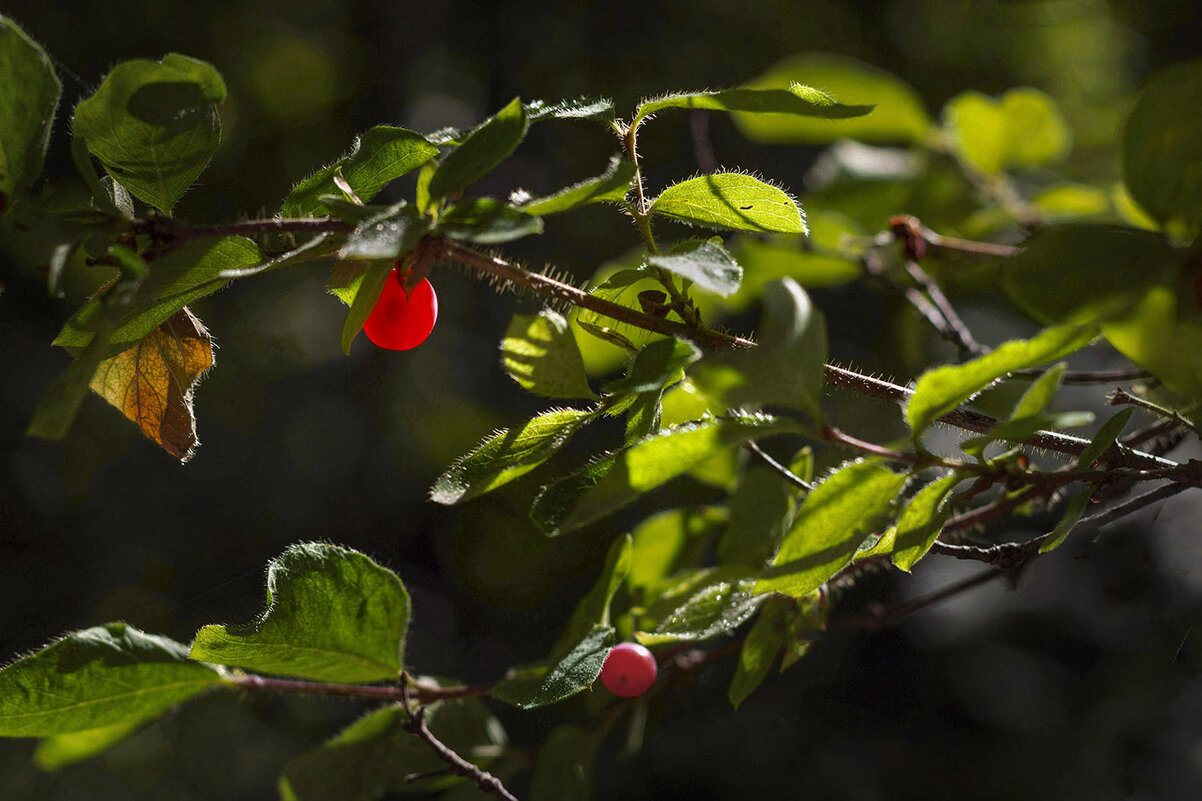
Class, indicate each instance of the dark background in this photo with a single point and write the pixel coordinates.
(1082, 684)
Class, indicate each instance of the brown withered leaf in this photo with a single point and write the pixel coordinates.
(152, 382)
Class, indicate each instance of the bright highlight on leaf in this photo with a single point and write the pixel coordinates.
(731, 200)
(541, 354)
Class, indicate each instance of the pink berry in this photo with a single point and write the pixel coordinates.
(399, 321)
(629, 670)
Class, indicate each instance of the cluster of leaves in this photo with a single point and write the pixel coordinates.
(1114, 262)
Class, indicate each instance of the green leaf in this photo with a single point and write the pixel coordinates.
(759, 651)
(508, 454)
(387, 235)
(541, 354)
(830, 524)
(29, 93)
(488, 222)
(644, 416)
(531, 688)
(795, 100)
(1163, 338)
(923, 519)
(717, 609)
(899, 114)
(706, 263)
(1072, 513)
(1080, 272)
(375, 754)
(612, 482)
(105, 676)
(60, 403)
(766, 260)
(191, 271)
(1020, 428)
(788, 365)
(66, 749)
(332, 614)
(664, 541)
(154, 125)
(593, 609)
(1162, 147)
(1040, 394)
(731, 200)
(609, 186)
(1106, 436)
(759, 512)
(382, 154)
(565, 765)
(657, 366)
(367, 292)
(481, 151)
(942, 389)
(1022, 129)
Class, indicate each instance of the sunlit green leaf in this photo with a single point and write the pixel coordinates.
(706, 263)
(796, 99)
(830, 524)
(386, 235)
(532, 687)
(1022, 129)
(482, 150)
(731, 200)
(593, 609)
(105, 676)
(610, 185)
(717, 609)
(1162, 147)
(760, 647)
(332, 614)
(657, 366)
(758, 518)
(1160, 336)
(29, 93)
(942, 389)
(154, 125)
(541, 354)
(922, 520)
(1072, 513)
(487, 221)
(1106, 436)
(76, 746)
(508, 454)
(898, 116)
(664, 541)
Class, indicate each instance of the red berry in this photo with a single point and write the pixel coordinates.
(629, 670)
(400, 322)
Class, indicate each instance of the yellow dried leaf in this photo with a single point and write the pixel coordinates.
(152, 382)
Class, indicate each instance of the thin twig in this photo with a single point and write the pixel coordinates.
(417, 725)
(955, 328)
(785, 472)
(884, 618)
(424, 693)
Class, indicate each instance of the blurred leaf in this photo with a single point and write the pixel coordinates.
(922, 520)
(540, 353)
(760, 647)
(767, 260)
(657, 366)
(152, 382)
(1022, 129)
(382, 154)
(66, 749)
(1066, 201)
(332, 614)
(593, 609)
(105, 676)
(898, 111)
(29, 93)
(488, 222)
(375, 754)
(717, 609)
(482, 150)
(730, 200)
(1162, 147)
(942, 389)
(1084, 272)
(154, 125)
(1072, 513)
(830, 524)
(663, 541)
(610, 186)
(611, 482)
(759, 512)
(532, 687)
(796, 100)
(386, 235)
(706, 263)
(1041, 393)
(1157, 335)
(1106, 436)
(508, 454)
(644, 415)
(564, 768)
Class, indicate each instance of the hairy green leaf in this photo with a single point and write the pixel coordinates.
(110, 675)
(488, 222)
(387, 235)
(717, 609)
(541, 354)
(1162, 147)
(332, 614)
(795, 100)
(899, 114)
(942, 389)
(482, 150)
(760, 647)
(759, 514)
(1072, 513)
(610, 186)
(1106, 436)
(154, 125)
(1022, 129)
(508, 454)
(706, 263)
(922, 520)
(657, 366)
(382, 154)
(830, 524)
(664, 542)
(610, 483)
(731, 200)
(29, 93)
(532, 687)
